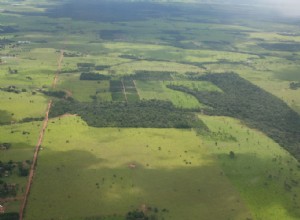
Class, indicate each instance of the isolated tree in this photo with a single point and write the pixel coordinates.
(231, 154)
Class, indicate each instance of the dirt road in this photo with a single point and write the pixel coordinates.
(40, 140)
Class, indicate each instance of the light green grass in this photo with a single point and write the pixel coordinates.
(259, 170)
(75, 161)
(82, 90)
(158, 90)
(23, 105)
(197, 85)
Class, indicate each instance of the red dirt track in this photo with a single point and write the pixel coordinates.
(40, 140)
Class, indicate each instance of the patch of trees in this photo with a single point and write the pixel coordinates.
(254, 106)
(151, 213)
(101, 67)
(5, 146)
(24, 168)
(30, 119)
(7, 190)
(13, 89)
(147, 114)
(115, 86)
(69, 71)
(72, 54)
(6, 169)
(9, 216)
(93, 76)
(129, 56)
(294, 85)
(291, 47)
(136, 215)
(151, 75)
(57, 94)
(12, 71)
(85, 66)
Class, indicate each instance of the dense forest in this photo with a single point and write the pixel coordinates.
(249, 103)
(150, 75)
(147, 114)
(93, 76)
(9, 216)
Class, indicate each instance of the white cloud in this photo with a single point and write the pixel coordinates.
(289, 8)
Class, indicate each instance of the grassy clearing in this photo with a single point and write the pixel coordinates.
(173, 171)
(23, 105)
(158, 90)
(197, 85)
(83, 90)
(262, 171)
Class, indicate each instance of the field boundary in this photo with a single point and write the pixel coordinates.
(124, 91)
(137, 91)
(40, 140)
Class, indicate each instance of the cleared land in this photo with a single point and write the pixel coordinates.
(119, 56)
(172, 171)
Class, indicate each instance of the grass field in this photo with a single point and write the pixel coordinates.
(173, 171)
(83, 90)
(261, 170)
(22, 105)
(158, 90)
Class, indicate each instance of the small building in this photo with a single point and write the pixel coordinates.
(2, 209)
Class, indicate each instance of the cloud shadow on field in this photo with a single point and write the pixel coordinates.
(66, 180)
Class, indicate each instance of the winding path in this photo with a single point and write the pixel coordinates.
(40, 140)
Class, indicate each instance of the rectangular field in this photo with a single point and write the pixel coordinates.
(158, 90)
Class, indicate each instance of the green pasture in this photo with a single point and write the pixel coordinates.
(90, 168)
(23, 105)
(127, 68)
(197, 85)
(35, 68)
(23, 138)
(82, 90)
(265, 175)
(157, 90)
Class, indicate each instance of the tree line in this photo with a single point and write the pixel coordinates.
(146, 114)
(254, 106)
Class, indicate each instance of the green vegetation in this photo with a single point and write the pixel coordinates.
(148, 86)
(158, 90)
(9, 216)
(146, 114)
(118, 170)
(294, 85)
(151, 75)
(93, 76)
(260, 170)
(257, 108)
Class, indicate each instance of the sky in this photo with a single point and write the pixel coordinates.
(290, 8)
